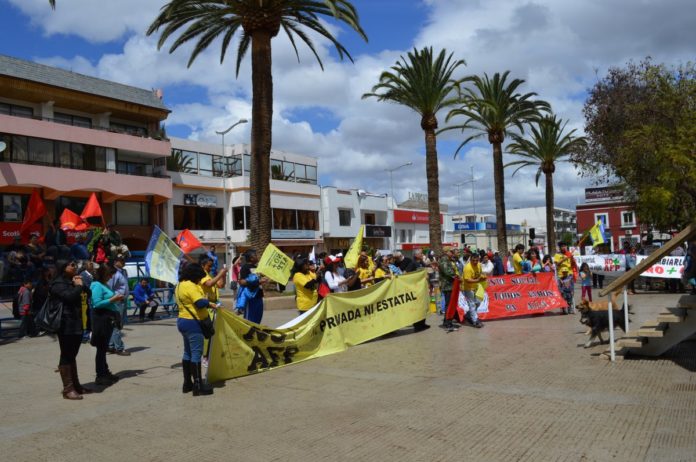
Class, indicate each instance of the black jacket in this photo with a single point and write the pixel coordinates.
(70, 295)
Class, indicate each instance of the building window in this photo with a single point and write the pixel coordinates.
(308, 219)
(127, 129)
(410, 235)
(17, 111)
(133, 168)
(69, 119)
(344, 216)
(628, 219)
(198, 218)
(370, 219)
(284, 219)
(132, 213)
(402, 235)
(604, 217)
(240, 217)
(13, 206)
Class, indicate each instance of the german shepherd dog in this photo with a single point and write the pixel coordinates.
(597, 319)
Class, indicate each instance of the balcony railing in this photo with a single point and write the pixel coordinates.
(139, 132)
(142, 173)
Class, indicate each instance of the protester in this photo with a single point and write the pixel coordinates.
(35, 251)
(119, 284)
(565, 283)
(26, 326)
(586, 281)
(193, 308)
(114, 242)
(67, 288)
(144, 297)
(534, 262)
(448, 271)
(250, 298)
(517, 259)
(106, 315)
(632, 262)
(383, 270)
(306, 284)
(471, 279)
(498, 267)
(547, 265)
(487, 267)
(214, 259)
(212, 283)
(364, 272)
(410, 266)
(101, 255)
(87, 273)
(56, 240)
(333, 279)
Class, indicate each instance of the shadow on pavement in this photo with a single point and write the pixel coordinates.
(137, 349)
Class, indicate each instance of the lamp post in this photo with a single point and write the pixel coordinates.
(224, 187)
(472, 180)
(391, 186)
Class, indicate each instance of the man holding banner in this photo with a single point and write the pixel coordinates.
(471, 279)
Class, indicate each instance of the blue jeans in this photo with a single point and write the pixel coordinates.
(116, 341)
(193, 339)
(473, 303)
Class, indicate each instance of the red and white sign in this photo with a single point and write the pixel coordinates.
(414, 245)
(9, 230)
(412, 216)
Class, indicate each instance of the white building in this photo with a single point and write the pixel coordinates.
(343, 211)
(535, 218)
(211, 196)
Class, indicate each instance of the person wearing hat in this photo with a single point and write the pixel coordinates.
(119, 285)
(332, 277)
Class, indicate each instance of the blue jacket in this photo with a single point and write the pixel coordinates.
(100, 297)
(142, 294)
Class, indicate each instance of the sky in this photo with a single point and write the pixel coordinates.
(559, 47)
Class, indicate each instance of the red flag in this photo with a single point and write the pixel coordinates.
(187, 241)
(35, 210)
(92, 209)
(70, 220)
(453, 309)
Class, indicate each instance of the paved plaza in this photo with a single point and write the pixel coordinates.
(520, 389)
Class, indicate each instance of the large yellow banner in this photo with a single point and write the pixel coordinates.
(341, 320)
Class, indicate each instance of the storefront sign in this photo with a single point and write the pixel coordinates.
(200, 200)
(605, 194)
(377, 231)
(483, 227)
(412, 216)
(9, 230)
(292, 234)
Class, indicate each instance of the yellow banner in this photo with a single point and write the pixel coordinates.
(596, 234)
(275, 264)
(351, 258)
(341, 320)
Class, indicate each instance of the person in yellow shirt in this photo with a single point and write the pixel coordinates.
(563, 259)
(364, 271)
(306, 284)
(211, 284)
(193, 307)
(517, 258)
(471, 278)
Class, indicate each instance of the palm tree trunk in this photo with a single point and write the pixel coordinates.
(499, 183)
(261, 138)
(432, 174)
(550, 222)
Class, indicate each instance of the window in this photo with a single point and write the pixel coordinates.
(17, 111)
(132, 213)
(311, 174)
(308, 219)
(40, 151)
(69, 119)
(284, 219)
(289, 171)
(127, 129)
(370, 219)
(602, 216)
(410, 235)
(240, 216)
(133, 168)
(13, 206)
(344, 217)
(628, 219)
(199, 218)
(277, 169)
(205, 164)
(402, 235)
(20, 149)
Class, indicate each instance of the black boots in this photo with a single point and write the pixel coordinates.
(188, 384)
(69, 391)
(200, 386)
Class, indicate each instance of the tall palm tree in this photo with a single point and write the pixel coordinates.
(493, 108)
(547, 146)
(257, 22)
(423, 82)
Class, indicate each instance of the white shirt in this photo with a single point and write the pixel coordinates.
(334, 281)
(487, 268)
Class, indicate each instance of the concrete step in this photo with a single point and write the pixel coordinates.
(672, 315)
(652, 331)
(649, 324)
(619, 353)
(687, 301)
(631, 342)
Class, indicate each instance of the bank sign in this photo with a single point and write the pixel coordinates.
(483, 227)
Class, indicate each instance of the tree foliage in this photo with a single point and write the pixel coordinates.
(641, 129)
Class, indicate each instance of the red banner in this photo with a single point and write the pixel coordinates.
(520, 295)
(9, 230)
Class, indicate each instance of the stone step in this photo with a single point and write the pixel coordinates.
(687, 301)
(619, 353)
(652, 331)
(672, 315)
(631, 342)
(650, 324)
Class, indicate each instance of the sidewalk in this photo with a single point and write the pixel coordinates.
(519, 389)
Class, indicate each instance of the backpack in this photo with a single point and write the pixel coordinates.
(15, 305)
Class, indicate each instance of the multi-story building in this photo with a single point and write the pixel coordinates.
(345, 210)
(609, 205)
(479, 231)
(70, 135)
(534, 218)
(211, 196)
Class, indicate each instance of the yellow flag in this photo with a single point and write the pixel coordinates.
(275, 264)
(351, 258)
(597, 234)
(480, 292)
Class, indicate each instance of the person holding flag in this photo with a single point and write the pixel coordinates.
(250, 298)
(471, 278)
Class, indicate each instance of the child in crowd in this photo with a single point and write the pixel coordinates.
(566, 286)
(586, 281)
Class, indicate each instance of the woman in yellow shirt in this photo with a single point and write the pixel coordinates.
(364, 271)
(193, 307)
(306, 284)
(211, 284)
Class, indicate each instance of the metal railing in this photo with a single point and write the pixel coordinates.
(620, 283)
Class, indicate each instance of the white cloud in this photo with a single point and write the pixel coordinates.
(555, 45)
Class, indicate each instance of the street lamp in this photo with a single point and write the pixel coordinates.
(224, 187)
(391, 185)
(473, 198)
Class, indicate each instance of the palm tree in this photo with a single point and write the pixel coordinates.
(423, 83)
(257, 22)
(492, 108)
(548, 145)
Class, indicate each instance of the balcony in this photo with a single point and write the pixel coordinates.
(107, 138)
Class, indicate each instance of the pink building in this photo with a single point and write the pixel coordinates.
(70, 135)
